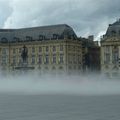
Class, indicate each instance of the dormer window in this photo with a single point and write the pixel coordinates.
(4, 40)
(28, 38)
(55, 36)
(40, 37)
(113, 32)
(15, 39)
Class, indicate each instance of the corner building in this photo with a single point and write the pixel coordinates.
(110, 51)
(52, 48)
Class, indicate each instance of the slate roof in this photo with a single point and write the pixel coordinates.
(34, 33)
(113, 29)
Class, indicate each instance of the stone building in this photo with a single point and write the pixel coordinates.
(110, 51)
(48, 49)
(90, 54)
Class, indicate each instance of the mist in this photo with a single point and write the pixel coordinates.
(58, 84)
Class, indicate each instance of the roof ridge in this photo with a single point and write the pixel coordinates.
(46, 26)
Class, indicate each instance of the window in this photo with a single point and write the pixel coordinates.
(14, 60)
(14, 51)
(78, 48)
(40, 37)
(79, 59)
(4, 51)
(40, 59)
(74, 48)
(47, 49)
(113, 32)
(107, 58)
(61, 58)
(4, 40)
(61, 47)
(107, 49)
(15, 39)
(115, 57)
(107, 54)
(33, 50)
(46, 59)
(69, 47)
(28, 38)
(54, 58)
(40, 49)
(33, 59)
(20, 60)
(70, 58)
(4, 60)
(20, 50)
(55, 36)
(54, 48)
(115, 54)
(74, 58)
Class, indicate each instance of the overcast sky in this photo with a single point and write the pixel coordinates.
(86, 17)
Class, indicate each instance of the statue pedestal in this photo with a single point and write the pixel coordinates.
(24, 67)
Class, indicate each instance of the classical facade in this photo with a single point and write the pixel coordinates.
(46, 49)
(110, 51)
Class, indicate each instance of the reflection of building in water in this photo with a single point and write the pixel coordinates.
(110, 50)
(49, 48)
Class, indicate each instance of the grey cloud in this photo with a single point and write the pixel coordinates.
(5, 11)
(85, 16)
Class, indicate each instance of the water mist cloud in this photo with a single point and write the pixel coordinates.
(68, 85)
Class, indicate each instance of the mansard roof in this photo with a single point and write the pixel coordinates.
(113, 29)
(34, 33)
